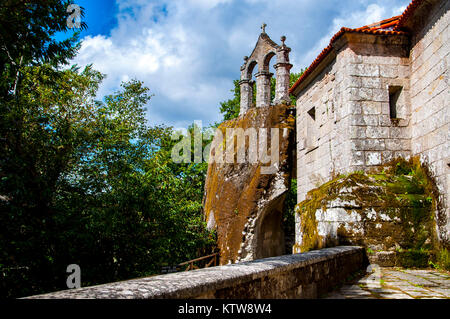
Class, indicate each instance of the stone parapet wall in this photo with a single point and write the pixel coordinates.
(306, 275)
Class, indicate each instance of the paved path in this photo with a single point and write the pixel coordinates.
(396, 283)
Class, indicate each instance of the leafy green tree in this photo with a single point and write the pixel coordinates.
(27, 30)
(98, 188)
(83, 181)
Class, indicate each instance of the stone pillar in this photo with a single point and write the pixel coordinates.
(283, 72)
(263, 88)
(246, 95)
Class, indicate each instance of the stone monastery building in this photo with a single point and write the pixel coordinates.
(376, 98)
(376, 93)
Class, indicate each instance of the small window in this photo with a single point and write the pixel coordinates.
(394, 94)
(311, 130)
(312, 113)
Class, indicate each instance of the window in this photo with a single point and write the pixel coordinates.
(311, 130)
(312, 113)
(394, 94)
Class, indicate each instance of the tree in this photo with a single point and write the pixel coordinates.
(27, 30)
(97, 188)
(81, 180)
(26, 40)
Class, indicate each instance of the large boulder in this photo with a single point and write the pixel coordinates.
(244, 199)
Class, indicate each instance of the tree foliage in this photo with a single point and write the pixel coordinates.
(83, 181)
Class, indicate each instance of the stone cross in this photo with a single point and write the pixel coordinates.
(263, 27)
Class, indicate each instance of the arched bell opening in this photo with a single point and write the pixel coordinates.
(269, 66)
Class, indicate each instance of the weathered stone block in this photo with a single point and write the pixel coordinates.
(377, 132)
(362, 69)
(374, 145)
(380, 95)
(398, 144)
(389, 71)
(371, 107)
(373, 158)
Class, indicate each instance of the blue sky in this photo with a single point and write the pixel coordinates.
(188, 52)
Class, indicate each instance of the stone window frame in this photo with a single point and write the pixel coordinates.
(312, 130)
(403, 105)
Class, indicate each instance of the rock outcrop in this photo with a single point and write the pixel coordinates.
(244, 198)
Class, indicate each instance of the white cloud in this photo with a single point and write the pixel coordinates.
(189, 52)
(206, 4)
(371, 14)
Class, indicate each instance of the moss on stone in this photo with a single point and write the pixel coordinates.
(443, 259)
(233, 191)
(402, 190)
(413, 258)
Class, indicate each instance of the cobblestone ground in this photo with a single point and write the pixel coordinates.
(397, 283)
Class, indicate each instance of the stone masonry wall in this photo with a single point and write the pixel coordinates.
(430, 96)
(307, 275)
(351, 129)
(321, 146)
(376, 64)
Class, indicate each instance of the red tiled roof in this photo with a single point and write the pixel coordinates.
(391, 26)
(384, 24)
(407, 13)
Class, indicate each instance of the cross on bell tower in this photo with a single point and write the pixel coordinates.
(263, 27)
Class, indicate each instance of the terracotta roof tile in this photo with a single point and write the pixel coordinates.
(407, 13)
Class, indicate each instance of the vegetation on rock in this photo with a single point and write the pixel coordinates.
(403, 190)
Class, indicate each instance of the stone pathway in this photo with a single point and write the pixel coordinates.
(396, 283)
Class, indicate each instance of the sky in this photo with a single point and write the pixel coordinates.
(188, 52)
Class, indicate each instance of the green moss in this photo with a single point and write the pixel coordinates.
(441, 260)
(413, 258)
(310, 235)
(403, 190)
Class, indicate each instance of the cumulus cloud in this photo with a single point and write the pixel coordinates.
(371, 13)
(189, 52)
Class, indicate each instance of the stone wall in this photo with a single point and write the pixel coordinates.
(351, 128)
(390, 213)
(321, 120)
(377, 98)
(376, 65)
(305, 275)
(430, 96)
(343, 115)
